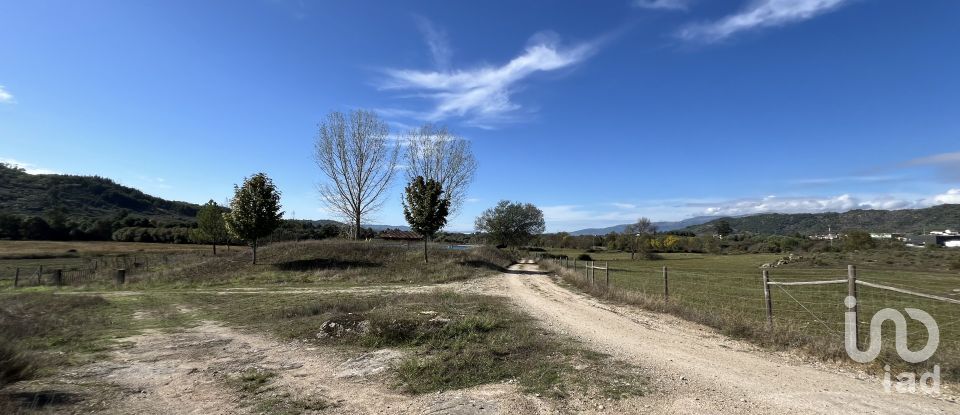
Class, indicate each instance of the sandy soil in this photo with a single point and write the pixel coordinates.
(190, 372)
(697, 371)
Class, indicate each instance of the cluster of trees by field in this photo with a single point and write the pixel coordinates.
(57, 226)
(642, 238)
(359, 160)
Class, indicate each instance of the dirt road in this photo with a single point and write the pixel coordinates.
(699, 372)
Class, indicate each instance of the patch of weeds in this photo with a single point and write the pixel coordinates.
(252, 381)
(453, 340)
(285, 405)
(15, 365)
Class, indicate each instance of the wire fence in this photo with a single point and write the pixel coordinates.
(101, 270)
(811, 302)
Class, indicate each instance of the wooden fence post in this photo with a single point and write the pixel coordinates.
(852, 292)
(666, 285)
(58, 277)
(574, 264)
(767, 298)
(16, 278)
(39, 273)
(120, 277)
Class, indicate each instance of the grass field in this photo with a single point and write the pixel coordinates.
(726, 291)
(308, 263)
(450, 340)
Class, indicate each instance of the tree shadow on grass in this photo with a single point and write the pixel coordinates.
(483, 264)
(528, 272)
(323, 263)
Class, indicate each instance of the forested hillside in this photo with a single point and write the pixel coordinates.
(900, 221)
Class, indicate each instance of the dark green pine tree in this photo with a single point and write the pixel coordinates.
(425, 208)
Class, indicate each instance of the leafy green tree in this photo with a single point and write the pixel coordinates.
(642, 230)
(254, 211)
(9, 226)
(210, 224)
(425, 209)
(723, 228)
(35, 229)
(510, 223)
(857, 239)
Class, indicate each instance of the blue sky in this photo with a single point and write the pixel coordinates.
(598, 112)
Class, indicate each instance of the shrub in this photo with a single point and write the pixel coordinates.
(14, 365)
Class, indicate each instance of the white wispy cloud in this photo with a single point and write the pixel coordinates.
(814, 204)
(573, 217)
(951, 196)
(30, 168)
(483, 94)
(5, 96)
(759, 14)
(662, 4)
(846, 179)
(437, 41)
(946, 165)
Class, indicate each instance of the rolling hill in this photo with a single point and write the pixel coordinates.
(661, 226)
(94, 197)
(890, 221)
(82, 197)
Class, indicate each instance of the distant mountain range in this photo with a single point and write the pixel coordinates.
(93, 197)
(661, 226)
(889, 221)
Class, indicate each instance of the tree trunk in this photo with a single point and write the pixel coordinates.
(356, 230)
(425, 260)
(254, 252)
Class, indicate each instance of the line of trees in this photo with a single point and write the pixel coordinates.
(55, 226)
(358, 159)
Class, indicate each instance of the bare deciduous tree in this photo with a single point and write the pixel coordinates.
(359, 160)
(435, 153)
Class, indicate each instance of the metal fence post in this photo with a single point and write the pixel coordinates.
(666, 285)
(767, 298)
(852, 292)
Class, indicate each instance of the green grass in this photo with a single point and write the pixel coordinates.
(726, 292)
(55, 331)
(307, 263)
